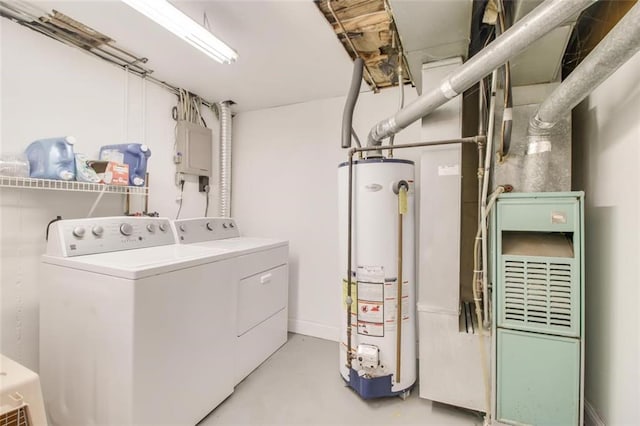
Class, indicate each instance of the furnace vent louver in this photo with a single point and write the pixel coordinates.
(538, 296)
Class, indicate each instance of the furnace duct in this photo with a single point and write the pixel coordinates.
(548, 125)
(544, 18)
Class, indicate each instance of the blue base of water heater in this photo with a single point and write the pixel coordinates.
(371, 387)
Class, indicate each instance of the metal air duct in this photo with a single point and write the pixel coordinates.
(622, 42)
(537, 23)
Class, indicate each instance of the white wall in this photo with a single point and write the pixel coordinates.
(49, 89)
(285, 186)
(607, 156)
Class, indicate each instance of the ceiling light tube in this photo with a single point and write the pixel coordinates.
(168, 16)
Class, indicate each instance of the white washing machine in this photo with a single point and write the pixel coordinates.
(134, 329)
(261, 282)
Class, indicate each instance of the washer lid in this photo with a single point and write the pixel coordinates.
(242, 245)
(140, 263)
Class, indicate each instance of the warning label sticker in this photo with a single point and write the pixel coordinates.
(371, 274)
(371, 328)
(370, 291)
(370, 311)
(371, 300)
(391, 289)
(354, 295)
(390, 298)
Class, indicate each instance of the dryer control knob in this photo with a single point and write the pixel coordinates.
(231, 225)
(163, 227)
(78, 232)
(97, 231)
(210, 226)
(224, 225)
(151, 228)
(182, 228)
(126, 229)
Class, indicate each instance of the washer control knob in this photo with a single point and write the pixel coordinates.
(163, 227)
(182, 228)
(224, 225)
(151, 228)
(126, 229)
(210, 226)
(78, 232)
(97, 231)
(231, 225)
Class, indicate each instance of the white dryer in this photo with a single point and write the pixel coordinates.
(261, 282)
(134, 329)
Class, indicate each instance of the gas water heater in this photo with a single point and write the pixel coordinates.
(377, 334)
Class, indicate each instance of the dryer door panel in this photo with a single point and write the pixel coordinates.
(260, 296)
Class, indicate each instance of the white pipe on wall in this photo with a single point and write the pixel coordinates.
(224, 208)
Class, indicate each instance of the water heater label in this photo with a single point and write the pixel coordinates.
(371, 311)
(354, 296)
(371, 274)
(371, 300)
(390, 296)
(371, 329)
(373, 292)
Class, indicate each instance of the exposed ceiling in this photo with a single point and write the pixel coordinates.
(432, 30)
(288, 52)
(367, 30)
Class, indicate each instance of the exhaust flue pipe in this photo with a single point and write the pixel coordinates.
(352, 98)
(544, 18)
(619, 45)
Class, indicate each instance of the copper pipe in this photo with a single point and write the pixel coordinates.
(469, 139)
(349, 301)
(355, 52)
(399, 291)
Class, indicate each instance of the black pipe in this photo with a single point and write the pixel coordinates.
(352, 98)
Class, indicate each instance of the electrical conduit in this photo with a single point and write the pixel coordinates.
(349, 106)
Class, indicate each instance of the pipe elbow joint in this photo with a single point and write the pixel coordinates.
(382, 130)
(537, 126)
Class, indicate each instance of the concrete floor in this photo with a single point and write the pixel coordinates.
(300, 385)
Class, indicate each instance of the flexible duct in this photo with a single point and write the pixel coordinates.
(548, 124)
(224, 208)
(534, 25)
(352, 98)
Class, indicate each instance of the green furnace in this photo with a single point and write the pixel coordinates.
(538, 302)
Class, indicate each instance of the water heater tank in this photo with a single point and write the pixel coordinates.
(381, 364)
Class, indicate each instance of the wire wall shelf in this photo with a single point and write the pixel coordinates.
(61, 185)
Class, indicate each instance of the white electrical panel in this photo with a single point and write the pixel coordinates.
(193, 149)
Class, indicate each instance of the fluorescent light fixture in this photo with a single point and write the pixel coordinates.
(168, 16)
